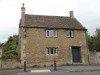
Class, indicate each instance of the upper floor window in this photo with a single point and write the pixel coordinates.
(51, 33)
(69, 33)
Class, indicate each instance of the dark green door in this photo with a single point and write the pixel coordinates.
(76, 55)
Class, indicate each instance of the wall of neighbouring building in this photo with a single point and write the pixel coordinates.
(98, 57)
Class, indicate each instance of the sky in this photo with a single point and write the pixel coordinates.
(87, 12)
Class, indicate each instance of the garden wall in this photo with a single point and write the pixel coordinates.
(10, 63)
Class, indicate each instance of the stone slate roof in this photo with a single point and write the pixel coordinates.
(41, 21)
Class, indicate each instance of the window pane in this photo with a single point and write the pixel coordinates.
(68, 33)
(50, 33)
(71, 33)
(55, 50)
(51, 50)
(54, 33)
(47, 50)
(47, 33)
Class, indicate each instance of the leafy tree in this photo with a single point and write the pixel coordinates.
(12, 43)
(97, 40)
(90, 40)
(94, 41)
(11, 47)
(11, 53)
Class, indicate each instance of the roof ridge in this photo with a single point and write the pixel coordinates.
(47, 15)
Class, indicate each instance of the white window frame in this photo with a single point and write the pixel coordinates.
(48, 51)
(51, 33)
(69, 33)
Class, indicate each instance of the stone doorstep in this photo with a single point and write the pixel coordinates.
(37, 71)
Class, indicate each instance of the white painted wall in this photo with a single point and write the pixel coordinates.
(98, 57)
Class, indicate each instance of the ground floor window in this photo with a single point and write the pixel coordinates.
(51, 51)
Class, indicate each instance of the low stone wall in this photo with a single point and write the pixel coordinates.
(92, 57)
(10, 63)
(15, 63)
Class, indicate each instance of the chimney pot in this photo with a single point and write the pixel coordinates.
(23, 8)
(22, 15)
(71, 14)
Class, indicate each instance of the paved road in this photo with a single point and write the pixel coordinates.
(59, 69)
(63, 73)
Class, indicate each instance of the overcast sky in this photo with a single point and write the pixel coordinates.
(85, 11)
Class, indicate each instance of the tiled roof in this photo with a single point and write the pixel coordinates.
(52, 22)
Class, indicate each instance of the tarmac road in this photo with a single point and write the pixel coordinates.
(63, 73)
(80, 70)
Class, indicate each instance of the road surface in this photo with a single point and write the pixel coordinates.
(63, 73)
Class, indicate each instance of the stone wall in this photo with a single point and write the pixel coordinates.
(37, 42)
(92, 57)
(10, 63)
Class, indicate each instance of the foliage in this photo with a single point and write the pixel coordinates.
(90, 40)
(97, 40)
(10, 47)
(12, 43)
(94, 41)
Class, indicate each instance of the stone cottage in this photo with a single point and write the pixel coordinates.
(43, 39)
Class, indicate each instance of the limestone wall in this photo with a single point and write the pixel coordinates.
(92, 57)
(37, 42)
(10, 63)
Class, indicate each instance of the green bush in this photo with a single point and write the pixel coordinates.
(10, 47)
(11, 53)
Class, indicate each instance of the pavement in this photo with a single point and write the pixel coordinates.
(51, 69)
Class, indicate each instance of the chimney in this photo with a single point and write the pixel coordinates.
(71, 14)
(22, 15)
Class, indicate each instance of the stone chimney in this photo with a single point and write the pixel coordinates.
(22, 33)
(22, 15)
(71, 14)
